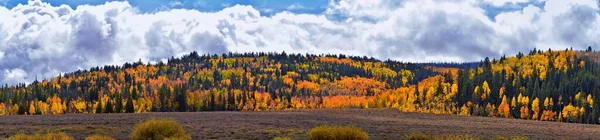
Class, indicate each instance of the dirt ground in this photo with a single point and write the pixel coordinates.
(379, 123)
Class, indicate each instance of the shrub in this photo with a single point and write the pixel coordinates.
(159, 129)
(99, 137)
(511, 138)
(519, 138)
(422, 136)
(456, 137)
(49, 136)
(326, 132)
(418, 136)
(282, 138)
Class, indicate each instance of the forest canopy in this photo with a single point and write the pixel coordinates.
(542, 85)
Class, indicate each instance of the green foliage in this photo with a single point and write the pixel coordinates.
(49, 136)
(327, 132)
(159, 129)
(129, 106)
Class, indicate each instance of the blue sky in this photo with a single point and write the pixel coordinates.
(43, 38)
(266, 7)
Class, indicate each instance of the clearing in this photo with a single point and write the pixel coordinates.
(379, 123)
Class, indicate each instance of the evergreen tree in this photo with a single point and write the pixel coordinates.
(129, 108)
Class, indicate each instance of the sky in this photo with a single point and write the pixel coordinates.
(44, 38)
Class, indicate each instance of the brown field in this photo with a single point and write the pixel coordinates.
(379, 123)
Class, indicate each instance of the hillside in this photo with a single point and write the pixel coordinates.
(549, 86)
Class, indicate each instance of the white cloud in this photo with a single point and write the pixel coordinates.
(46, 40)
(505, 2)
(14, 75)
(295, 7)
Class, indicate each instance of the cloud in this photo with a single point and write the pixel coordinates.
(44, 40)
(14, 75)
(506, 2)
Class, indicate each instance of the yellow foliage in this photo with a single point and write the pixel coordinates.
(49, 136)
(99, 137)
(524, 112)
(570, 112)
(590, 100)
(486, 91)
(535, 106)
(3, 109)
(384, 72)
(548, 115)
(31, 108)
(326, 132)
(158, 129)
(503, 108)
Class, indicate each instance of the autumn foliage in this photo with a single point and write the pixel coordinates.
(543, 85)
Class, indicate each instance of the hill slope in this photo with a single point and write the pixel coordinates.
(551, 86)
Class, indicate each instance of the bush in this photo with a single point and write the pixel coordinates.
(159, 129)
(456, 137)
(99, 137)
(326, 132)
(282, 138)
(49, 136)
(418, 136)
(511, 138)
(422, 136)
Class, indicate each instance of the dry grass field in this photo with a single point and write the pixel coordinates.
(379, 123)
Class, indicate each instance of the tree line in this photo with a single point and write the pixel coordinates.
(542, 85)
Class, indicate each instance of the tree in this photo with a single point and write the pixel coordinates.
(535, 106)
(99, 107)
(129, 106)
(109, 107)
(486, 91)
(32, 108)
(119, 104)
(504, 108)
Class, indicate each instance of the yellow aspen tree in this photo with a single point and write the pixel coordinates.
(476, 93)
(570, 113)
(486, 91)
(31, 108)
(501, 92)
(14, 109)
(430, 93)
(590, 100)
(524, 112)
(43, 107)
(2, 109)
(513, 102)
(535, 106)
(503, 108)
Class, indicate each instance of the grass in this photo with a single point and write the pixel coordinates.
(326, 132)
(282, 138)
(159, 129)
(48, 136)
(511, 138)
(422, 136)
(99, 137)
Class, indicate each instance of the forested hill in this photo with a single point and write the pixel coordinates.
(549, 85)
(249, 81)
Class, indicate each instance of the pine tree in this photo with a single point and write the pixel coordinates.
(109, 107)
(129, 106)
(99, 107)
(119, 105)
